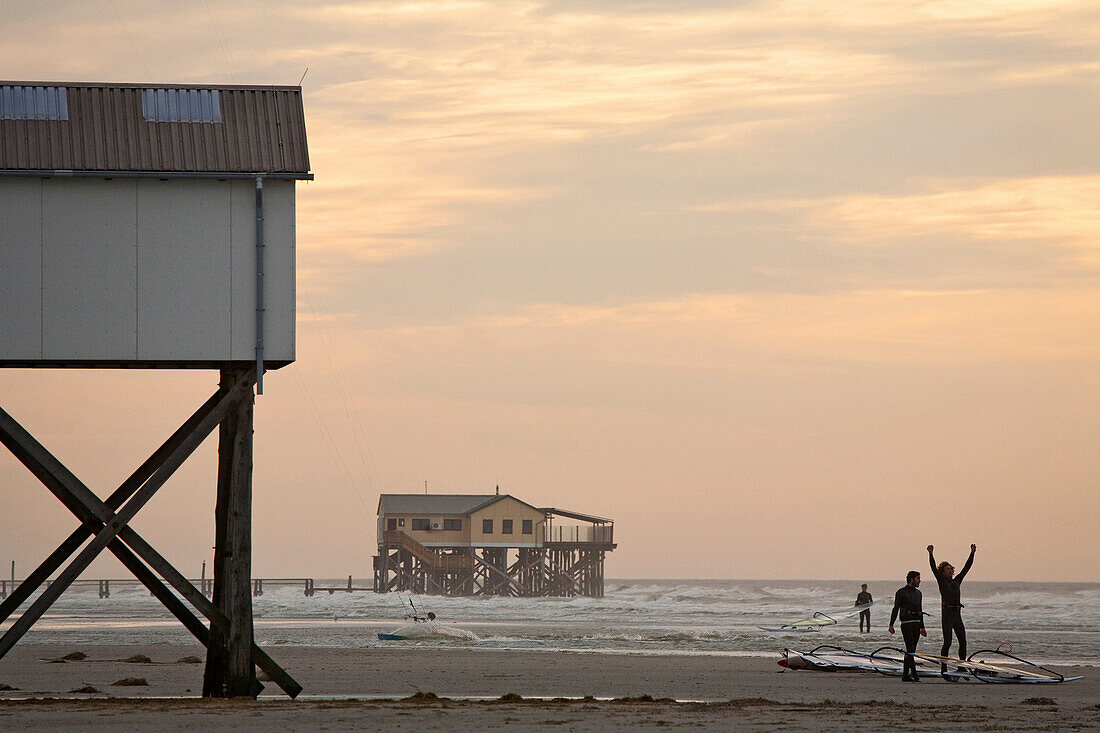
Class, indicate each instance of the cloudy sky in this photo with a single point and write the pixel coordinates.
(788, 289)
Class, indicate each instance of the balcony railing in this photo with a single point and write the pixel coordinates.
(597, 534)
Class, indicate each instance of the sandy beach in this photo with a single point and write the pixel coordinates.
(441, 689)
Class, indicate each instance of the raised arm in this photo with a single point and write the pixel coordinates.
(969, 562)
(932, 562)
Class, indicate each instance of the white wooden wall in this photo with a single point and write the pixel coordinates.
(143, 270)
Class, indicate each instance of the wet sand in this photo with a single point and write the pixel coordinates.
(343, 687)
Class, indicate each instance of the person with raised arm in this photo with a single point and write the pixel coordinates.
(951, 604)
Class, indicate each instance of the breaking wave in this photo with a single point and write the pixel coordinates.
(1052, 622)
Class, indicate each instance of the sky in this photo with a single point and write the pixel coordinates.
(787, 289)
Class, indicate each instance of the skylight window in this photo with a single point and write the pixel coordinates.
(181, 105)
(33, 103)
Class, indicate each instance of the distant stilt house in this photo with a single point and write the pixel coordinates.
(488, 544)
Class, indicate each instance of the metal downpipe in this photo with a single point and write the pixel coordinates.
(259, 285)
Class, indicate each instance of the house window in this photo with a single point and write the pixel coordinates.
(391, 524)
(420, 525)
(486, 526)
(33, 103)
(452, 525)
(181, 105)
(528, 526)
(401, 522)
(506, 526)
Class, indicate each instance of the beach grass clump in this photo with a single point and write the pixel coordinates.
(131, 682)
(747, 702)
(6, 688)
(423, 698)
(138, 659)
(74, 657)
(189, 660)
(644, 699)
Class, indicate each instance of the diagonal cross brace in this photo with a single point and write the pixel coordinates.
(87, 506)
(14, 437)
(99, 517)
(112, 524)
(73, 542)
(38, 460)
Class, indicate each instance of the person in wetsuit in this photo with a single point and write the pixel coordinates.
(907, 604)
(862, 599)
(951, 602)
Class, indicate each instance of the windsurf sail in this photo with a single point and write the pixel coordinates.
(988, 665)
(821, 619)
(854, 610)
(827, 658)
(424, 625)
(418, 615)
(997, 665)
(813, 623)
(429, 631)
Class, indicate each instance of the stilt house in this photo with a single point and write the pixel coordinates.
(151, 226)
(488, 544)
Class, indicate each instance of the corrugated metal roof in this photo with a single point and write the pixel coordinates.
(433, 503)
(262, 130)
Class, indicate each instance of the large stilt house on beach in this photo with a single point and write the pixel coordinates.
(488, 544)
(152, 226)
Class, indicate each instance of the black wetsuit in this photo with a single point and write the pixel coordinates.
(951, 603)
(865, 615)
(908, 605)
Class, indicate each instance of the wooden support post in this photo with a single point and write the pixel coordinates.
(230, 671)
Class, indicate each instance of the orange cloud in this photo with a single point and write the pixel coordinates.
(1059, 210)
(736, 331)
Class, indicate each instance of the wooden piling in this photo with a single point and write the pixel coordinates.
(230, 671)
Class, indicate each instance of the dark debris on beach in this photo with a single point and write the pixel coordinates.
(85, 690)
(131, 682)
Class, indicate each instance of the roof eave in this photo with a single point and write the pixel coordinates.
(282, 175)
(167, 85)
(576, 515)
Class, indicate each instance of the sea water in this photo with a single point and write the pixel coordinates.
(1052, 623)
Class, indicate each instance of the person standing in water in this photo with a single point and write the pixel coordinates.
(951, 602)
(907, 604)
(861, 600)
